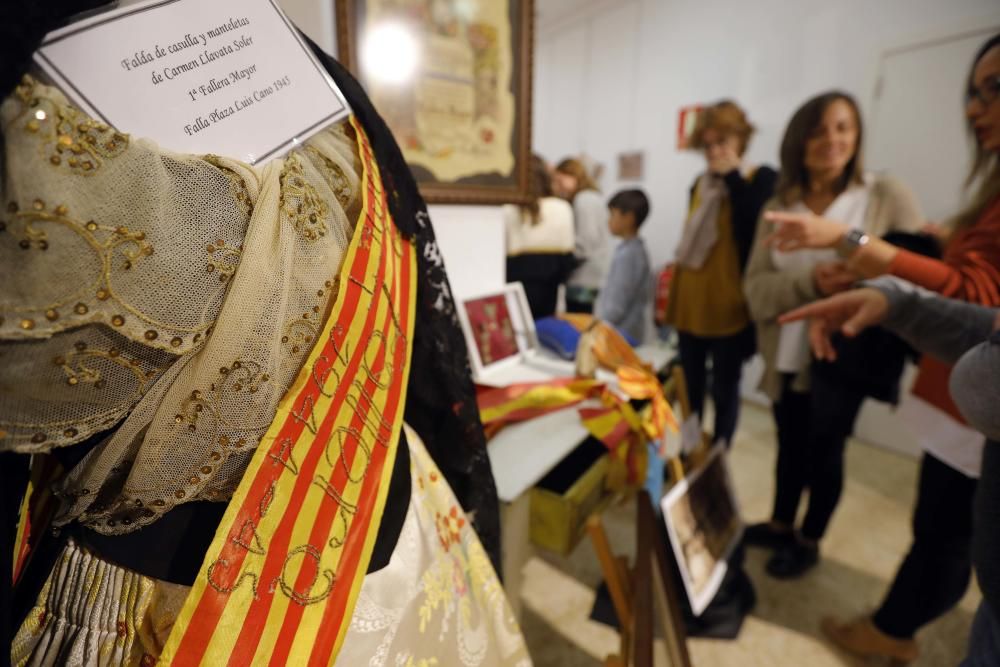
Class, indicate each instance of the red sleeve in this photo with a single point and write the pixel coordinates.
(970, 270)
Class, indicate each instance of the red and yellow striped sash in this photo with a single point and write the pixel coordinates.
(280, 580)
(37, 508)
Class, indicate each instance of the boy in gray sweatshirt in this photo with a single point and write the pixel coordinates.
(628, 290)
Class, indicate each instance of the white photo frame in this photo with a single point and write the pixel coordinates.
(521, 322)
(704, 526)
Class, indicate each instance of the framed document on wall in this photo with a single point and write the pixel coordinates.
(452, 78)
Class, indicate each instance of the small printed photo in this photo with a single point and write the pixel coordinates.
(704, 526)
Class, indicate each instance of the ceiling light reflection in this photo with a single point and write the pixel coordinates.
(389, 54)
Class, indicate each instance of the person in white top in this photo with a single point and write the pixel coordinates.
(593, 241)
(540, 242)
(822, 172)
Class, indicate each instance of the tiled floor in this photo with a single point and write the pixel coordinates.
(867, 539)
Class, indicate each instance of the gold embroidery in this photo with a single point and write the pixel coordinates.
(239, 187)
(226, 589)
(78, 371)
(71, 140)
(304, 598)
(116, 248)
(301, 205)
(223, 259)
(240, 376)
(299, 336)
(334, 176)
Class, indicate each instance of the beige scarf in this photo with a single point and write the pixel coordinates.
(702, 230)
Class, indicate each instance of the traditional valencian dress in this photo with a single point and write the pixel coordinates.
(210, 365)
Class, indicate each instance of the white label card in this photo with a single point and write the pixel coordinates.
(229, 77)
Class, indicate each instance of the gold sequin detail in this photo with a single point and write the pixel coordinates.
(334, 176)
(301, 205)
(71, 133)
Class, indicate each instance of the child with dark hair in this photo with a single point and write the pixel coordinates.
(628, 290)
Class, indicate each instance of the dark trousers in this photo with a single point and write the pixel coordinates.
(727, 353)
(791, 416)
(936, 572)
(813, 429)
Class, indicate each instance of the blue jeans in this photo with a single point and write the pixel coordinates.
(984, 641)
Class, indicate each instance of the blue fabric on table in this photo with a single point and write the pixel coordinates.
(562, 338)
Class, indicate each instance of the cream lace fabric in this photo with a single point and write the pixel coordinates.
(177, 295)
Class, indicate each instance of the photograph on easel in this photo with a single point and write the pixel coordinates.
(704, 525)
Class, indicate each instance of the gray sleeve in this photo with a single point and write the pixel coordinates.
(975, 387)
(942, 327)
(628, 269)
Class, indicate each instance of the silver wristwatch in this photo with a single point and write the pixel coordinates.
(852, 240)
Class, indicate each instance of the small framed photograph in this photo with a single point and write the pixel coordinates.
(704, 526)
(452, 78)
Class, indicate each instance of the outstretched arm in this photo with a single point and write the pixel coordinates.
(944, 328)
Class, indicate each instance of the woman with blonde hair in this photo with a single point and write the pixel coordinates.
(706, 305)
(573, 182)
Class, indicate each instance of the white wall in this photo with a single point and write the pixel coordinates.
(472, 243)
(611, 76)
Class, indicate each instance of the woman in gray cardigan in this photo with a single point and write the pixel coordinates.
(822, 172)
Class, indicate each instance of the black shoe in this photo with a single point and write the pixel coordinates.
(793, 560)
(764, 535)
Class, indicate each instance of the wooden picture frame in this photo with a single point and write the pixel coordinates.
(464, 131)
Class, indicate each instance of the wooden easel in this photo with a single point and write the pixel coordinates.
(634, 589)
(642, 592)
